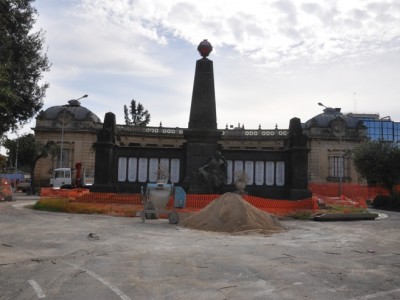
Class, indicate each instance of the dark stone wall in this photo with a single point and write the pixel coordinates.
(193, 155)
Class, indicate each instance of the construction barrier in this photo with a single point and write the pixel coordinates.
(325, 201)
(5, 190)
(63, 193)
(323, 195)
(194, 202)
(348, 190)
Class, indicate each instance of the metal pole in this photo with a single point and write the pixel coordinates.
(16, 158)
(62, 132)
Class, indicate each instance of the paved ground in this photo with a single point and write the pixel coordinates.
(53, 256)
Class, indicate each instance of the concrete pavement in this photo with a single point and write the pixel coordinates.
(52, 255)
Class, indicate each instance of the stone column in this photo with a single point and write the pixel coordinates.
(298, 161)
(202, 135)
(105, 168)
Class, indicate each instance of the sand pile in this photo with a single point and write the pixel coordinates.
(231, 213)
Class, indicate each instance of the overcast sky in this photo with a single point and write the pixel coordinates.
(273, 60)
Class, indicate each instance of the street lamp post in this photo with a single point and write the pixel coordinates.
(341, 159)
(62, 132)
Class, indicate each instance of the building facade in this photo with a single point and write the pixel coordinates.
(381, 129)
(331, 137)
(73, 128)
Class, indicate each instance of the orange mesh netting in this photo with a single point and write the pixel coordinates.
(353, 195)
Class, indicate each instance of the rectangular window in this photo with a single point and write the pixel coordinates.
(336, 167)
(65, 157)
(387, 131)
(132, 169)
(122, 165)
(229, 170)
(396, 132)
(280, 173)
(142, 169)
(259, 173)
(153, 169)
(238, 167)
(249, 169)
(270, 173)
(175, 166)
(164, 165)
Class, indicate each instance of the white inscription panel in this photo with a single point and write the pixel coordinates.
(238, 167)
(280, 173)
(259, 173)
(122, 161)
(132, 169)
(249, 169)
(229, 170)
(175, 166)
(270, 173)
(164, 165)
(153, 169)
(143, 169)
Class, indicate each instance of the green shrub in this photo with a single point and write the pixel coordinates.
(396, 201)
(65, 205)
(52, 204)
(391, 202)
(301, 215)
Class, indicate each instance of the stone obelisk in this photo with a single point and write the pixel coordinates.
(202, 135)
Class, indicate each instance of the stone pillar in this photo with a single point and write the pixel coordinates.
(202, 135)
(105, 168)
(203, 115)
(298, 161)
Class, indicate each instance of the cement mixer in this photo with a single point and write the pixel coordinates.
(155, 200)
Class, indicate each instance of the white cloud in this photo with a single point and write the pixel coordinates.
(127, 36)
(273, 59)
(265, 51)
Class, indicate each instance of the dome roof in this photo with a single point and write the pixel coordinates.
(74, 108)
(330, 114)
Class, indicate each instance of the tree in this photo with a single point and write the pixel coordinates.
(140, 116)
(378, 161)
(27, 151)
(3, 163)
(42, 151)
(22, 62)
(20, 150)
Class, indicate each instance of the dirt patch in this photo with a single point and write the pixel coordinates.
(231, 213)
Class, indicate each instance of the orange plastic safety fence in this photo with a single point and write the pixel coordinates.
(65, 193)
(194, 202)
(340, 201)
(348, 190)
(352, 195)
(110, 198)
(281, 207)
(5, 188)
